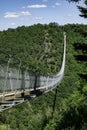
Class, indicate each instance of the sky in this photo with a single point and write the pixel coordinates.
(14, 13)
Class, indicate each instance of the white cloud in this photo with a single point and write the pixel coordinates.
(23, 7)
(56, 5)
(38, 18)
(11, 15)
(16, 15)
(70, 15)
(37, 6)
(12, 24)
(25, 13)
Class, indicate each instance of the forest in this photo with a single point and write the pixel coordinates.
(38, 44)
(39, 47)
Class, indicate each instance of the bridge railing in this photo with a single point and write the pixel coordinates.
(16, 80)
(13, 79)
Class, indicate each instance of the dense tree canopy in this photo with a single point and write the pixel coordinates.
(64, 108)
(38, 44)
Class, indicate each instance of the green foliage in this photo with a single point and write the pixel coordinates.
(33, 48)
(65, 108)
(83, 10)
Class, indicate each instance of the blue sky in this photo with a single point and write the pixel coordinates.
(14, 13)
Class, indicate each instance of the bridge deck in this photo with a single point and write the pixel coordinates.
(51, 83)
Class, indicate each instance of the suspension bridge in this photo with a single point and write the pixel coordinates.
(16, 86)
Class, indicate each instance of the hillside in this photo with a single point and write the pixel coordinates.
(38, 47)
(64, 108)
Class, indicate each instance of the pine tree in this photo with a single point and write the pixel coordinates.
(83, 10)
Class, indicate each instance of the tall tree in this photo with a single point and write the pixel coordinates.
(83, 10)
